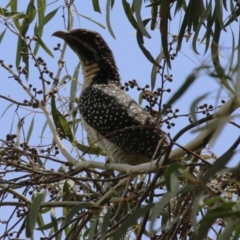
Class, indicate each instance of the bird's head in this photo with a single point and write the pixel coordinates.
(91, 48)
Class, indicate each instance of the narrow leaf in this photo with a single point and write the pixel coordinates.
(215, 57)
(140, 42)
(89, 19)
(132, 220)
(42, 44)
(141, 25)
(108, 9)
(2, 35)
(173, 169)
(129, 14)
(30, 130)
(189, 81)
(105, 224)
(164, 12)
(11, 104)
(96, 6)
(154, 17)
(61, 123)
(92, 229)
(19, 126)
(32, 215)
(54, 221)
(218, 165)
(155, 70)
(49, 225)
(74, 82)
(75, 210)
(13, 4)
(49, 16)
(43, 129)
(73, 91)
(194, 105)
(38, 27)
(90, 150)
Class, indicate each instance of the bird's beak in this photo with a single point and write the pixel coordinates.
(60, 34)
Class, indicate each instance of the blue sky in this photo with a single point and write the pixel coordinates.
(130, 60)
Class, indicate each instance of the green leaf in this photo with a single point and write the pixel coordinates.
(194, 105)
(112, 3)
(30, 13)
(105, 224)
(172, 169)
(154, 16)
(234, 17)
(45, 210)
(40, 221)
(141, 26)
(92, 229)
(73, 91)
(45, 48)
(215, 58)
(132, 220)
(73, 88)
(228, 230)
(61, 123)
(38, 30)
(43, 129)
(210, 22)
(13, 4)
(49, 225)
(189, 81)
(89, 19)
(155, 70)
(164, 12)
(10, 105)
(237, 233)
(219, 10)
(108, 9)
(96, 6)
(158, 207)
(30, 130)
(218, 165)
(203, 230)
(49, 16)
(186, 21)
(129, 14)
(2, 34)
(55, 223)
(90, 150)
(19, 49)
(166, 217)
(66, 191)
(41, 10)
(19, 126)
(11, 15)
(155, 3)
(32, 215)
(140, 42)
(75, 210)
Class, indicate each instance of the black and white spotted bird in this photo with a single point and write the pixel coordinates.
(111, 118)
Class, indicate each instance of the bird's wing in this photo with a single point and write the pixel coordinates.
(117, 117)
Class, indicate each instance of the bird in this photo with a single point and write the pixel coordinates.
(109, 115)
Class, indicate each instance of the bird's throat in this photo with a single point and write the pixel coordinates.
(90, 71)
(99, 72)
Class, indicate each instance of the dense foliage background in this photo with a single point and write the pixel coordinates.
(179, 59)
